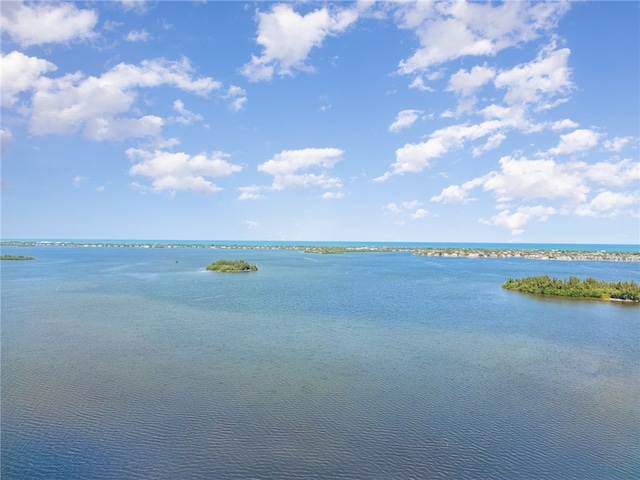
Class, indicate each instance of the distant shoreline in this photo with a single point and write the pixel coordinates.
(450, 252)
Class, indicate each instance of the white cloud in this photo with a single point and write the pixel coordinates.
(415, 157)
(171, 171)
(410, 210)
(538, 82)
(452, 194)
(251, 192)
(617, 144)
(99, 129)
(517, 220)
(529, 179)
(186, 117)
(252, 225)
(453, 29)
(289, 168)
(576, 141)
(6, 139)
(616, 174)
(466, 83)
(611, 204)
(418, 84)
(290, 161)
(570, 183)
(40, 23)
(20, 73)
(392, 208)
(237, 97)
(492, 143)
(95, 104)
(419, 213)
(287, 38)
(563, 124)
(404, 119)
(138, 5)
(457, 193)
(138, 36)
(332, 195)
(305, 180)
(78, 180)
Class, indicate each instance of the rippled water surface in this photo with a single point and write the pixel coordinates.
(136, 363)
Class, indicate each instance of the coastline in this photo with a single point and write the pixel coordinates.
(328, 248)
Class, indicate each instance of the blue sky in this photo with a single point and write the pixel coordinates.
(364, 121)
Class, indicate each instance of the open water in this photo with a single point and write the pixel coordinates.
(124, 363)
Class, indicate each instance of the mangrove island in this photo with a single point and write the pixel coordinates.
(16, 257)
(576, 288)
(231, 266)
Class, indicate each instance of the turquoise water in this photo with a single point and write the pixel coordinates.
(137, 363)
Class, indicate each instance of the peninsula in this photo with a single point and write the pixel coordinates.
(576, 288)
(231, 266)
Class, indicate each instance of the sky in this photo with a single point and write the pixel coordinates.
(321, 121)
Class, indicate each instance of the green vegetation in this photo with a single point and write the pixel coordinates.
(325, 250)
(574, 287)
(16, 257)
(229, 266)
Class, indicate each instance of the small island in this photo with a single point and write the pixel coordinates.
(576, 288)
(231, 266)
(16, 257)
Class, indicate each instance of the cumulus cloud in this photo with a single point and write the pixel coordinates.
(404, 119)
(415, 157)
(289, 168)
(517, 220)
(563, 124)
(41, 23)
(237, 98)
(617, 174)
(20, 73)
(611, 204)
(529, 179)
(419, 213)
(407, 210)
(521, 180)
(186, 117)
(288, 37)
(96, 105)
(576, 141)
(492, 143)
(453, 29)
(418, 84)
(539, 81)
(138, 36)
(458, 193)
(617, 144)
(466, 83)
(171, 171)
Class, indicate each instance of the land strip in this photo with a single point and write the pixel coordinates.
(453, 252)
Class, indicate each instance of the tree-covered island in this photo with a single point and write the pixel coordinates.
(231, 266)
(574, 287)
(16, 257)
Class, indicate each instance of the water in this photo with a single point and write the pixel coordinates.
(136, 363)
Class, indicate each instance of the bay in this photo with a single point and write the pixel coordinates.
(138, 363)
